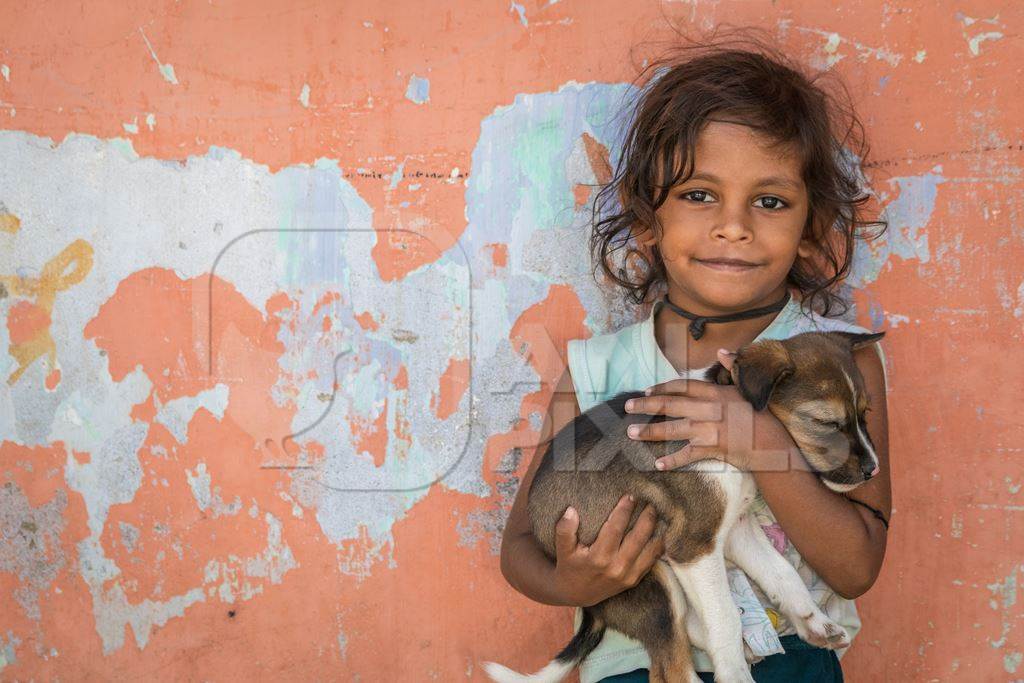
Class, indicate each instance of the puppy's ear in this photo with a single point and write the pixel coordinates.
(857, 340)
(759, 369)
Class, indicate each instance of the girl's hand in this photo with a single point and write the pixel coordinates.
(586, 575)
(717, 420)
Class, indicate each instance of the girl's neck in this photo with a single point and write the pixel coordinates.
(684, 352)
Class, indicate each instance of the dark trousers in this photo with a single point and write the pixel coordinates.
(801, 663)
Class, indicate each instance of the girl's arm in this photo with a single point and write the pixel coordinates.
(842, 541)
(582, 575)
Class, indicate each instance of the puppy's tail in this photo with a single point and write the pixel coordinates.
(587, 638)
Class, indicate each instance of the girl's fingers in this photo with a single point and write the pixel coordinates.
(676, 406)
(638, 536)
(699, 433)
(609, 536)
(680, 458)
(565, 533)
(691, 454)
(660, 431)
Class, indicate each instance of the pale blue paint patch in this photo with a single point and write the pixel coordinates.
(521, 11)
(418, 90)
(7, 649)
(177, 413)
(882, 82)
(396, 177)
(528, 159)
(111, 477)
(129, 535)
(877, 315)
(166, 70)
(908, 216)
(316, 213)
(342, 644)
(199, 482)
(1004, 597)
(125, 147)
(1004, 592)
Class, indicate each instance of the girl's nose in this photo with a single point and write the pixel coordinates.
(733, 224)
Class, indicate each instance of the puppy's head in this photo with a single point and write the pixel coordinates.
(811, 383)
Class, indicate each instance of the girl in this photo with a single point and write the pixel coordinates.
(737, 214)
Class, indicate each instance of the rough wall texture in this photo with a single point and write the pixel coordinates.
(280, 286)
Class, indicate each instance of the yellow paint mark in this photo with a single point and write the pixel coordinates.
(28, 323)
(9, 222)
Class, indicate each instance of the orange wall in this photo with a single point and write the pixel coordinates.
(278, 279)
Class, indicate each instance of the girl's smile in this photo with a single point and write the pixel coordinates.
(727, 265)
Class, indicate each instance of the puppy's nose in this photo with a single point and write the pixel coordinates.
(869, 473)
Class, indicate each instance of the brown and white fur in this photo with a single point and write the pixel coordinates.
(811, 383)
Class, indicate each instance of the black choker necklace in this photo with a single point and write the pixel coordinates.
(699, 321)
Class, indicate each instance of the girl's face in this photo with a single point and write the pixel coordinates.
(743, 201)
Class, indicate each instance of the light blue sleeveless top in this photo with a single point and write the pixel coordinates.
(630, 360)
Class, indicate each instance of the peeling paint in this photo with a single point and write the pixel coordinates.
(166, 70)
(178, 412)
(418, 90)
(298, 386)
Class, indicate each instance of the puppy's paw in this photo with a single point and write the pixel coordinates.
(819, 630)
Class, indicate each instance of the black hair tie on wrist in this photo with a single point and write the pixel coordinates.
(876, 513)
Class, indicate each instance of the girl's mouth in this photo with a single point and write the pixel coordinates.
(728, 266)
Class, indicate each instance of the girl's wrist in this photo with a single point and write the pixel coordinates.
(773, 449)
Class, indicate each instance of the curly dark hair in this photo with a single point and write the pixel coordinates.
(745, 81)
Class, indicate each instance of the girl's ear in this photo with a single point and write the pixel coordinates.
(645, 236)
(805, 249)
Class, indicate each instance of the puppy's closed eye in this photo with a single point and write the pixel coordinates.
(830, 424)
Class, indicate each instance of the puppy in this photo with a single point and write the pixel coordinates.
(811, 383)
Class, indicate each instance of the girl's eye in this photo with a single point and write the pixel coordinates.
(695, 195)
(773, 202)
(700, 197)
